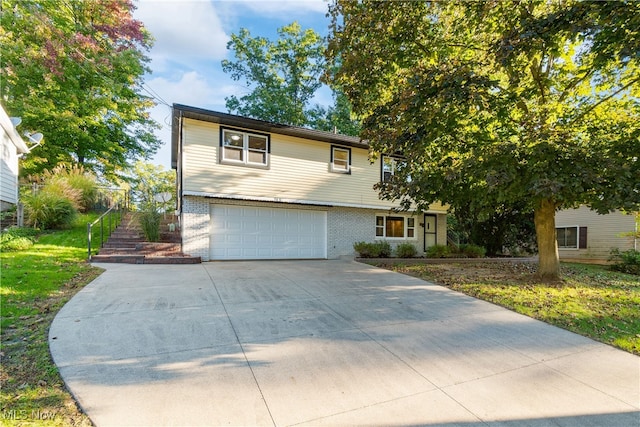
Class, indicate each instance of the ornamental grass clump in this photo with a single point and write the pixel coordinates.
(150, 224)
(49, 210)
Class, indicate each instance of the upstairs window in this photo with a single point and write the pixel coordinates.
(340, 159)
(390, 166)
(244, 148)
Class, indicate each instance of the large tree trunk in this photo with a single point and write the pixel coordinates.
(544, 217)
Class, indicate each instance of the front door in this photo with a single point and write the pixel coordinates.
(430, 231)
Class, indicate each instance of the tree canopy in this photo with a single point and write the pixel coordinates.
(72, 70)
(500, 101)
(283, 76)
(146, 181)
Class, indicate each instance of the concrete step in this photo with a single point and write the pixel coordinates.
(122, 259)
(118, 251)
(152, 249)
(126, 238)
(141, 259)
(120, 244)
(127, 244)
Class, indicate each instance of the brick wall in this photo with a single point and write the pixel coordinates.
(196, 226)
(345, 226)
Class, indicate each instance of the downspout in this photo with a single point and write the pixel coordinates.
(179, 179)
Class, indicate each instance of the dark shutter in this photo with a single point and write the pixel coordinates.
(582, 241)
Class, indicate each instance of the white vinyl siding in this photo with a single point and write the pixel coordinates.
(604, 232)
(297, 171)
(8, 171)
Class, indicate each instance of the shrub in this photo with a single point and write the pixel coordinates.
(373, 250)
(362, 248)
(48, 209)
(437, 251)
(17, 239)
(625, 262)
(382, 249)
(75, 183)
(150, 224)
(406, 250)
(472, 251)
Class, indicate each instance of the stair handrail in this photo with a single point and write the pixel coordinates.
(117, 208)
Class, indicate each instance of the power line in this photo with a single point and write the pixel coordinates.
(144, 86)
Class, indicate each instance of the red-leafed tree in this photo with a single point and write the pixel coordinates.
(72, 70)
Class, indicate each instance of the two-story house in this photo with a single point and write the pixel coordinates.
(250, 189)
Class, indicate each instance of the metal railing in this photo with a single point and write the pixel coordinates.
(114, 216)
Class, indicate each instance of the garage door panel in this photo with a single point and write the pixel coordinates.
(246, 232)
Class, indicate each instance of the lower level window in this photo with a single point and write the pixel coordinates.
(567, 237)
(571, 237)
(395, 227)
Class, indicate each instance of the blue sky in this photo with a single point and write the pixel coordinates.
(190, 43)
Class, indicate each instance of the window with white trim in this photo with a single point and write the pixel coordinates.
(573, 237)
(244, 148)
(395, 227)
(390, 166)
(340, 159)
(567, 237)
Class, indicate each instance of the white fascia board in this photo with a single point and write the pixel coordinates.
(11, 132)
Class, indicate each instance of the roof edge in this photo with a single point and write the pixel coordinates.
(265, 126)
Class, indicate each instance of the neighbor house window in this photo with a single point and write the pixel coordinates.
(567, 237)
(571, 237)
(246, 148)
(398, 227)
(340, 159)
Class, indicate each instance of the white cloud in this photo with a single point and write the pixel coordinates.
(192, 89)
(289, 7)
(184, 31)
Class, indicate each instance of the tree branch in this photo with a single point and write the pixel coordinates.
(603, 100)
(574, 83)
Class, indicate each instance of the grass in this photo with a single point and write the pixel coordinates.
(590, 300)
(35, 283)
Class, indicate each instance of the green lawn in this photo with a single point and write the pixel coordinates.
(35, 284)
(590, 300)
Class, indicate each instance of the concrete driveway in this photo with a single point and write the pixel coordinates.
(324, 343)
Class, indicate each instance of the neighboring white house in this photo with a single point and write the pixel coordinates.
(584, 234)
(250, 189)
(12, 147)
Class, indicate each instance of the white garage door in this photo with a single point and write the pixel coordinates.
(247, 232)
